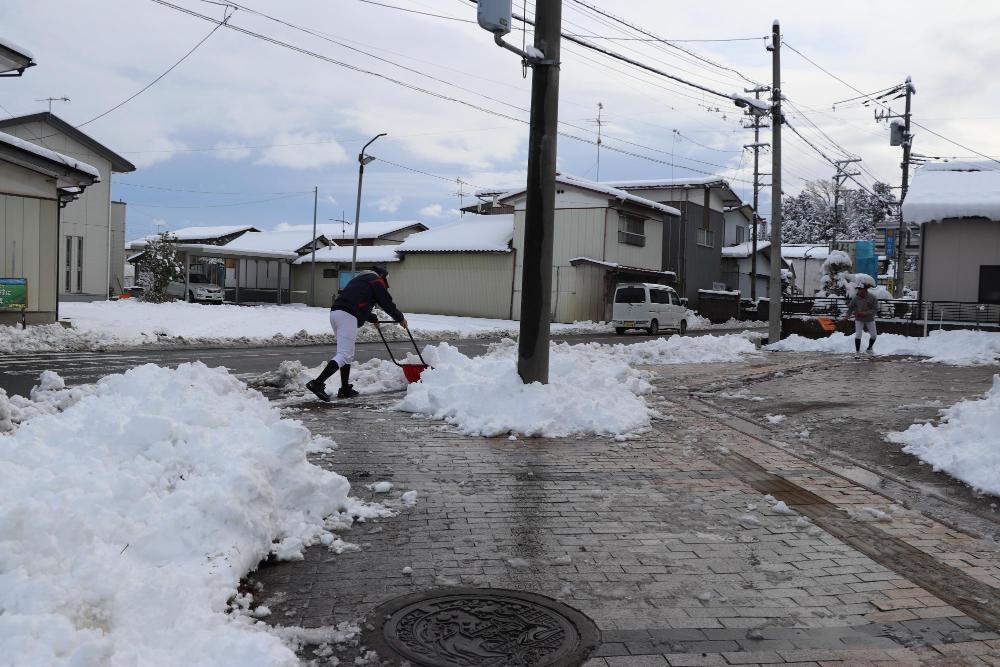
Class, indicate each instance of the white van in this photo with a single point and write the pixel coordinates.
(647, 306)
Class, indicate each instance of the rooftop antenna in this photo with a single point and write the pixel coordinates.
(461, 193)
(50, 100)
(600, 122)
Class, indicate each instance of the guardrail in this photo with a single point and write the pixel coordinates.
(961, 312)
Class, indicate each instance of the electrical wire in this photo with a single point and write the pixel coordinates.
(239, 203)
(415, 11)
(118, 182)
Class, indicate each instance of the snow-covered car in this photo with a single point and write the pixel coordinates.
(199, 288)
(647, 306)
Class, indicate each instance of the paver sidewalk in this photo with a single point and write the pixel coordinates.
(667, 542)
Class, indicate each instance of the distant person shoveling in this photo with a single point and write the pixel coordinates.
(864, 307)
(351, 309)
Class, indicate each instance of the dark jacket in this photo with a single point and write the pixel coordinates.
(365, 291)
(864, 308)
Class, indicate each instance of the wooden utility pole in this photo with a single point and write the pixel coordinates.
(838, 179)
(774, 289)
(756, 146)
(539, 215)
(901, 233)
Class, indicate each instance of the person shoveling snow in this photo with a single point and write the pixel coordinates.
(351, 309)
(863, 306)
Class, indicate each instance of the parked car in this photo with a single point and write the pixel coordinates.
(647, 306)
(199, 288)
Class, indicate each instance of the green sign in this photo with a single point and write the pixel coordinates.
(13, 293)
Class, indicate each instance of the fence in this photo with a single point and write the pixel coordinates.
(935, 312)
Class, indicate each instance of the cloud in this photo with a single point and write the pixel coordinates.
(231, 150)
(302, 151)
(330, 199)
(432, 211)
(388, 203)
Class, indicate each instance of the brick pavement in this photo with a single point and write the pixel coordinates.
(666, 541)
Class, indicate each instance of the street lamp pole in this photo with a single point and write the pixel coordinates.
(362, 161)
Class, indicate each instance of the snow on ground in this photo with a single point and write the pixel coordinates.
(131, 323)
(956, 348)
(964, 444)
(131, 508)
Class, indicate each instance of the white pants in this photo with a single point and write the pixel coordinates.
(345, 327)
(859, 328)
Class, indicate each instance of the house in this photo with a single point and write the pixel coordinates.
(333, 270)
(603, 236)
(806, 261)
(369, 233)
(216, 235)
(957, 206)
(737, 268)
(92, 228)
(465, 268)
(739, 224)
(692, 242)
(35, 183)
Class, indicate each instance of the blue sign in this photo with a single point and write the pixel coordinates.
(346, 277)
(890, 243)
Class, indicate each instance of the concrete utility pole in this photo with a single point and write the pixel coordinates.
(362, 161)
(312, 272)
(539, 216)
(838, 178)
(756, 146)
(897, 288)
(774, 289)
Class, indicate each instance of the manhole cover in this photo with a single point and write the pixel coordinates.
(489, 627)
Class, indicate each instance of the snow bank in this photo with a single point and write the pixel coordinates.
(132, 323)
(130, 511)
(956, 348)
(592, 387)
(964, 444)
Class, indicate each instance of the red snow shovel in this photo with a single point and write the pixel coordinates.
(410, 371)
(827, 324)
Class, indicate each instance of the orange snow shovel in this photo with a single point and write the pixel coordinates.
(411, 371)
(827, 324)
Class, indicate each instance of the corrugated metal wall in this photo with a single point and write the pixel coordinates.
(28, 243)
(471, 284)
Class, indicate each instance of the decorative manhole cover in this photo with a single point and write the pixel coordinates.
(481, 627)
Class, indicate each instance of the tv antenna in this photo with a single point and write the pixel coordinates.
(50, 100)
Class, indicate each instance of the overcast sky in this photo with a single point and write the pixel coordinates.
(243, 120)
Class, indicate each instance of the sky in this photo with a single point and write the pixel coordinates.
(243, 130)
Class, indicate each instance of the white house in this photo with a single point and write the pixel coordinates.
(737, 268)
(35, 183)
(92, 228)
(957, 205)
(807, 261)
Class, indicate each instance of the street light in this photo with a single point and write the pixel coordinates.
(362, 161)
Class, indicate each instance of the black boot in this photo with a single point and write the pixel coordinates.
(318, 386)
(857, 345)
(871, 344)
(346, 388)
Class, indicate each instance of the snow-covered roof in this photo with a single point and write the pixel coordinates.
(804, 251)
(345, 231)
(282, 241)
(615, 266)
(477, 233)
(199, 233)
(658, 183)
(224, 251)
(50, 155)
(11, 46)
(374, 254)
(14, 57)
(744, 249)
(604, 189)
(959, 189)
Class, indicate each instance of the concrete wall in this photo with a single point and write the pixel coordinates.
(28, 228)
(954, 251)
(88, 217)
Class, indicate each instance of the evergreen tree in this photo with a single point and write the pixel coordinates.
(809, 216)
(158, 267)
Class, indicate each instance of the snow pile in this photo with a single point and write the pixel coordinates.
(589, 391)
(101, 325)
(48, 397)
(128, 517)
(592, 387)
(964, 444)
(956, 348)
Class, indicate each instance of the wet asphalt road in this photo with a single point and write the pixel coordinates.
(19, 372)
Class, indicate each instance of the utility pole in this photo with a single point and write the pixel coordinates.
(312, 274)
(600, 124)
(838, 178)
(901, 233)
(362, 161)
(539, 215)
(774, 289)
(756, 146)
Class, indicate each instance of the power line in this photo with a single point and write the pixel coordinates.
(240, 203)
(202, 192)
(415, 11)
(666, 40)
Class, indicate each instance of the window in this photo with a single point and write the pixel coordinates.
(198, 278)
(673, 299)
(631, 230)
(989, 284)
(659, 296)
(330, 273)
(68, 287)
(79, 263)
(705, 237)
(630, 295)
(741, 234)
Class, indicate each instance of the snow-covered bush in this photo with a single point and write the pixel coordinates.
(838, 280)
(158, 267)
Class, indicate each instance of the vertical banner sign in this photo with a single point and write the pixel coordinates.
(890, 243)
(13, 293)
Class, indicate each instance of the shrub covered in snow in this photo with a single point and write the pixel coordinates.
(158, 266)
(130, 510)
